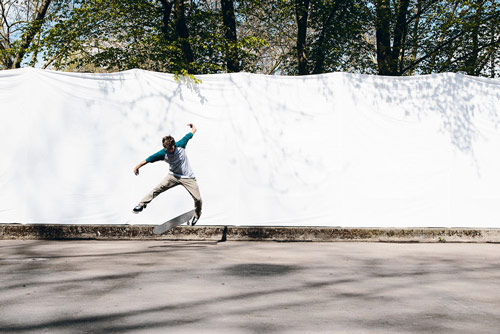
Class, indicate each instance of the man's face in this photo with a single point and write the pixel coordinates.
(171, 149)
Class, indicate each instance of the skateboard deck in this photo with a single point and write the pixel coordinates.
(165, 227)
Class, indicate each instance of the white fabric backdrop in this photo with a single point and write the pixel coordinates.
(327, 150)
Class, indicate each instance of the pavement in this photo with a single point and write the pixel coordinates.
(165, 286)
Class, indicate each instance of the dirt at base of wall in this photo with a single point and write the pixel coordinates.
(246, 233)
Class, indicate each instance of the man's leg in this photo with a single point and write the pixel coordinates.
(167, 183)
(192, 187)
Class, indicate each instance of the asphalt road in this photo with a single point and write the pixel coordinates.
(248, 287)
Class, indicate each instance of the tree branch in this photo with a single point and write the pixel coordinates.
(417, 16)
(479, 49)
(433, 52)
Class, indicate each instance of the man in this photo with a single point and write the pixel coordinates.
(180, 172)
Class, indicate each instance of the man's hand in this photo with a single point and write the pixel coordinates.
(193, 128)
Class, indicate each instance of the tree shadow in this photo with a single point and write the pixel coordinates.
(350, 287)
(452, 97)
(259, 269)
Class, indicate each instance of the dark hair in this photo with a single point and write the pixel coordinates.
(168, 142)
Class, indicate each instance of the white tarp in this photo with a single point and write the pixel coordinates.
(327, 150)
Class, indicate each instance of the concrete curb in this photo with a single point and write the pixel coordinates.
(246, 233)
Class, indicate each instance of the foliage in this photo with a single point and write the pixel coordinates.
(23, 25)
(118, 35)
(390, 37)
(439, 36)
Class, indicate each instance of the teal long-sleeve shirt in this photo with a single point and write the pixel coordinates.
(178, 161)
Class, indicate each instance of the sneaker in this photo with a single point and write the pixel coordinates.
(139, 208)
(193, 221)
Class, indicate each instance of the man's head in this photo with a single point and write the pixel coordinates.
(169, 143)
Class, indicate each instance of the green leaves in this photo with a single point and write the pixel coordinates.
(180, 36)
(117, 35)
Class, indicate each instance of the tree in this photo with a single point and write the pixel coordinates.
(481, 42)
(339, 36)
(388, 37)
(272, 27)
(182, 33)
(163, 35)
(229, 22)
(494, 52)
(388, 56)
(328, 16)
(301, 14)
(427, 36)
(330, 35)
(22, 25)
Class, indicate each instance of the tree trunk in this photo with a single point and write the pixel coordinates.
(5, 59)
(30, 34)
(383, 35)
(36, 49)
(471, 64)
(398, 44)
(183, 33)
(414, 36)
(166, 11)
(229, 21)
(301, 13)
(492, 40)
(319, 54)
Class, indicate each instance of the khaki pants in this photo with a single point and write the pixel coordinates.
(171, 181)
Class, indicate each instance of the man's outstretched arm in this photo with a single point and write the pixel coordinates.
(158, 156)
(136, 169)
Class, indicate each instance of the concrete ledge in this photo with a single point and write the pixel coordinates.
(247, 233)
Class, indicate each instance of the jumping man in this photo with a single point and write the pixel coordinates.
(180, 172)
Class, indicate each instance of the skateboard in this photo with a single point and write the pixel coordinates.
(165, 227)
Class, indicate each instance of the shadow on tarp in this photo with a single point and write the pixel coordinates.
(451, 96)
